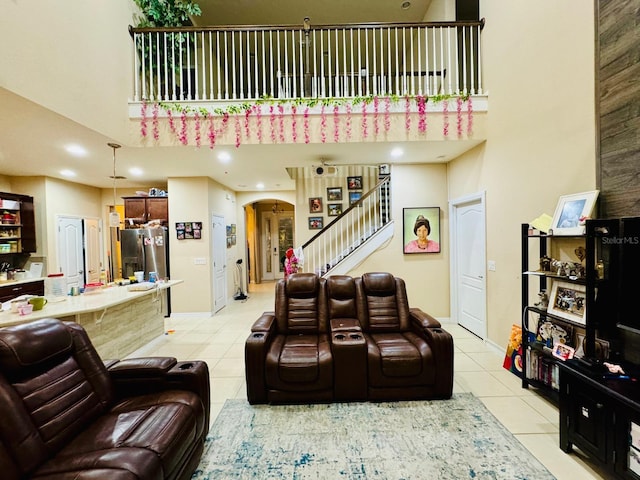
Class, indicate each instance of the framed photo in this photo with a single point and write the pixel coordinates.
(315, 205)
(571, 212)
(354, 197)
(567, 300)
(334, 194)
(421, 230)
(334, 209)
(354, 183)
(316, 223)
(562, 351)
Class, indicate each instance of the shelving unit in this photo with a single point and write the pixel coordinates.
(574, 315)
(17, 224)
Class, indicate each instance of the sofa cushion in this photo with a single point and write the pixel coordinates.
(145, 437)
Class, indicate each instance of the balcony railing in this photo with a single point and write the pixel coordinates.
(243, 63)
(345, 234)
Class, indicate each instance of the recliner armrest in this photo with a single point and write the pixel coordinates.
(422, 319)
(142, 367)
(255, 351)
(266, 322)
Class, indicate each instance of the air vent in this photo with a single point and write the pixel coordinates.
(325, 171)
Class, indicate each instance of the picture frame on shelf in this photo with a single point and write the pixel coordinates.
(315, 205)
(316, 223)
(571, 211)
(562, 351)
(568, 301)
(334, 194)
(354, 183)
(334, 209)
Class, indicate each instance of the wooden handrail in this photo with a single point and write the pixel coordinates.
(289, 27)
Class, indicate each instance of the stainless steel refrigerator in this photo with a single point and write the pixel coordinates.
(146, 250)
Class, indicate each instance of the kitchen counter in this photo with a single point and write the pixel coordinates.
(117, 320)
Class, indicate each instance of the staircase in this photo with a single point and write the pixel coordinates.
(351, 237)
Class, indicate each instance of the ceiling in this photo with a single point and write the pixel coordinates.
(22, 121)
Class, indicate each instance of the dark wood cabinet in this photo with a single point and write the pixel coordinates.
(13, 290)
(140, 210)
(18, 230)
(601, 416)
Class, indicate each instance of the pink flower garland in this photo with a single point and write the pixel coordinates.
(156, 130)
(294, 124)
(306, 125)
(172, 124)
(247, 131)
(183, 128)
(445, 118)
(143, 119)
(422, 113)
(212, 131)
(238, 130)
(387, 114)
(196, 119)
(323, 125)
(281, 122)
(272, 124)
(365, 132)
(336, 124)
(257, 109)
(469, 117)
(348, 126)
(407, 114)
(376, 120)
(459, 116)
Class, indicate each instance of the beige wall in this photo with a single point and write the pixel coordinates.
(426, 275)
(540, 130)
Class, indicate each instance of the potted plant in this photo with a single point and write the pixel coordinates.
(164, 14)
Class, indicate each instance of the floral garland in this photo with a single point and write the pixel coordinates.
(218, 119)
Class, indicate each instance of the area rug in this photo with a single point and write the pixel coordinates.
(441, 439)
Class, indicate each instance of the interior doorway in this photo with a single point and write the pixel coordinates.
(468, 263)
(80, 249)
(276, 237)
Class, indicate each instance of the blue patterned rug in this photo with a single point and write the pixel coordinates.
(442, 439)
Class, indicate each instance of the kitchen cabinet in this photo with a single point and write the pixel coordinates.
(10, 291)
(17, 224)
(141, 210)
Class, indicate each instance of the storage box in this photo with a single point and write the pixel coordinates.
(9, 204)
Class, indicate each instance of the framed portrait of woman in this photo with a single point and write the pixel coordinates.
(421, 230)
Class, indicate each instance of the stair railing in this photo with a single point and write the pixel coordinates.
(349, 230)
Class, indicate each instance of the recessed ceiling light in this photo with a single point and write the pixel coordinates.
(406, 5)
(67, 173)
(397, 152)
(135, 171)
(224, 157)
(76, 150)
(260, 185)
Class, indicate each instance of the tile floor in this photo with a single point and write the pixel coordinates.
(219, 340)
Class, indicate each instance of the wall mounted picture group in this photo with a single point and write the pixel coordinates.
(188, 230)
(421, 230)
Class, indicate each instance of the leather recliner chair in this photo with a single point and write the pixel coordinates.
(288, 354)
(409, 356)
(67, 415)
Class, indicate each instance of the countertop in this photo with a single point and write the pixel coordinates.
(91, 302)
(9, 283)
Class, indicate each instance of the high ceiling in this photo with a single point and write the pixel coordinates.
(22, 121)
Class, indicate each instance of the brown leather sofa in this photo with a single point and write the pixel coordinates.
(346, 339)
(67, 415)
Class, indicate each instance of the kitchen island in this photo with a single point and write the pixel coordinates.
(117, 320)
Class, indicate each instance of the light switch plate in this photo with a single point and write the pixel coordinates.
(199, 261)
(491, 265)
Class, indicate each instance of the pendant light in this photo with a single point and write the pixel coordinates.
(114, 216)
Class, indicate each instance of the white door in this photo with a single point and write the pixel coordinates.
(93, 249)
(219, 247)
(70, 251)
(269, 243)
(468, 275)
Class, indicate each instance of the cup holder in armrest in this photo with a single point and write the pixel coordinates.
(185, 366)
(355, 336)
(340, 336)
(258, 335)
(436, 330)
